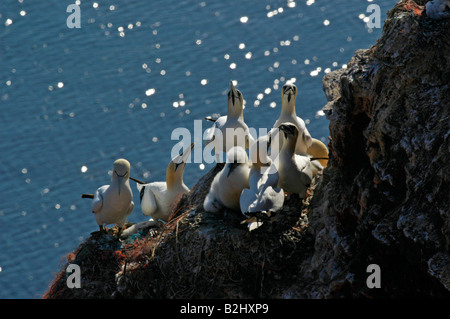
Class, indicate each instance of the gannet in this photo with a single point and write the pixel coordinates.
(436, 9)
(318, 154)
(227, 185)
(111, 204)
(263, 195)
(288, 114)
(216, 136)
(295, 171)
(318, 150)
(158, 198)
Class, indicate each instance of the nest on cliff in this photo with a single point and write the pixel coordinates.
(196, 254)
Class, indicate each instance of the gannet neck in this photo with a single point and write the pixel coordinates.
(175, 169)
(288, 97)
(235, 102)
(174, 178)
(120, 175)
(288, 108)
(290, 134)
(289, 145)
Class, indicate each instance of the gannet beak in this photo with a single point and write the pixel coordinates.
(119, 178)
(183, 157)
(137, 181)
(233, 92)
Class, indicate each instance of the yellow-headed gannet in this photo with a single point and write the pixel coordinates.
(158, 198)
(111, 204)
(233, 122)
(227, 185)
(295, 171)
(318, 150)
(264, 196)
(318, 153)
(288, 114)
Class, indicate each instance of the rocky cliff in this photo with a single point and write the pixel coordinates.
(383, 199)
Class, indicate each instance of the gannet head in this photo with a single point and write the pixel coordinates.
(289, 92)
(236, 156)
(175, 169)
(290, 131)
(235, 101)
(121, 171)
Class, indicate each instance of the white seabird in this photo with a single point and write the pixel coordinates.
(288, 114)
(111, 204)
(233, 122)
(436, 9)
(295, 171)
(264, 196)
(158, 198)
(227, 185)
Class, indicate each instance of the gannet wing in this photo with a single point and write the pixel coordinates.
(148, 200)
(307, 139)
(97, 201)
(208, 136)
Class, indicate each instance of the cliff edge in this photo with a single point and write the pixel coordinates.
(383, 199)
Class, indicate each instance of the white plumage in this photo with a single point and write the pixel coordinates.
(288, 115)
(227, 185)
(295, 171)
(263, 195)
(233, 123)
(111, 204)
(158, 198)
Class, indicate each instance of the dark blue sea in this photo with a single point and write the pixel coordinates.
(72, 100)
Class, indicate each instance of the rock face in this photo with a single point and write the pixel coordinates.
(385, 195)
(383, 199)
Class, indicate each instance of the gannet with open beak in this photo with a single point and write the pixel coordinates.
(238, 131)
(264, 196)
(111, 204)
(158, 198)
(227, 185)
(295, 171)
(288, 115)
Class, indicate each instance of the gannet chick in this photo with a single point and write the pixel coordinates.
(295, 171)
(288, 114)
(227, 185)
(158, 198)
(233, 122)
(436, 9)
(264, 196)
(111, 204)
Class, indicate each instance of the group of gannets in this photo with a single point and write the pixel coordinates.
(254, 186)
(111, 204)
